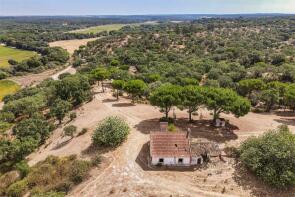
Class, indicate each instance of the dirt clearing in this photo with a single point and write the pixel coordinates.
(71, 45)
(124, 171)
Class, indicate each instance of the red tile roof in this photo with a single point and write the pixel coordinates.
(168, 144)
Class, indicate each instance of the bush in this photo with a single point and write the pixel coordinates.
(171, 128)
(79, 171)
(49, 194)
(271, 157)
(17, 189)
(73, 115)
(70, 131)
(96, 160)
(7, 117)
(7, 179)
(111, 132)
(23, 168)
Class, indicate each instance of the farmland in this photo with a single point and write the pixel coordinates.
(101, 28)
(7, 87)
(7, 53)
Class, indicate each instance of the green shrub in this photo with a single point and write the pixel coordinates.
(7, 179)
(17, 189)
(4, 126)
(7, 117)
(70, 130)
(271, 157)
(111, 132)
(171, 128)
(49, 194)
(96, 160)
(79, 171)
(23, 168)
(73, 115)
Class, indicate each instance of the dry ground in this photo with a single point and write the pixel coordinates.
(124, 171)
(71, 45)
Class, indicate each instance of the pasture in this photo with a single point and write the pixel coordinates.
(7, 53)
(101, 28)
(7, 87)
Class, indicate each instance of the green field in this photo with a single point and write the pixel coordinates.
(7, 87)
(7, 53)
(101, 28)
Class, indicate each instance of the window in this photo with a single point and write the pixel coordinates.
(180, 160)
(161, 160)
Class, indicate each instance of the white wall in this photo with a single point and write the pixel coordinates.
(171, 161)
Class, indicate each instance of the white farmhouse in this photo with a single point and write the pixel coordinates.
(170, 149)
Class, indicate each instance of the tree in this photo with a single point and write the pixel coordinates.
(135, 88)
(100, 74)
(165, 97)
(118, 85)
(36, 128)
(289, 97)
(111, 132)
(60, 108)
(70, 130)
(74, 88)
(247, 86)
(191, 99)
(222, 100)
(270, 97)
(271, 156)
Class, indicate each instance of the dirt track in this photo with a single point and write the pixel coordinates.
(124, 171)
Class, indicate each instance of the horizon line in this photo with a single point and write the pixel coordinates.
(183, 14)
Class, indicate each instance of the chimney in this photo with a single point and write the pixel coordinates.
(188, 133)
(163, 126)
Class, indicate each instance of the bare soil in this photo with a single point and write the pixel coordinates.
(125, 171)
(71, 45)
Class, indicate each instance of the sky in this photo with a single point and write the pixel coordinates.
(134, 7)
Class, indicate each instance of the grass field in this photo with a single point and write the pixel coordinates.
(101, 28)
(7, 53)
(7, 87)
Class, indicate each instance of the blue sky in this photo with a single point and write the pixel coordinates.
(129, 7)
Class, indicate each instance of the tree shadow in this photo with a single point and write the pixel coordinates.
(109, 100)
(286, 121)
(146, 126)
(205, 129)
(93, 150)
(123, 105)
(285, 113)
(143, 160)
(199, 129)
(60, 145)
(248, 181)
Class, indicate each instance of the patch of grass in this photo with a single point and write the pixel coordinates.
(101, 28)
(7, 87)
(53, 174)
(7, 53)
